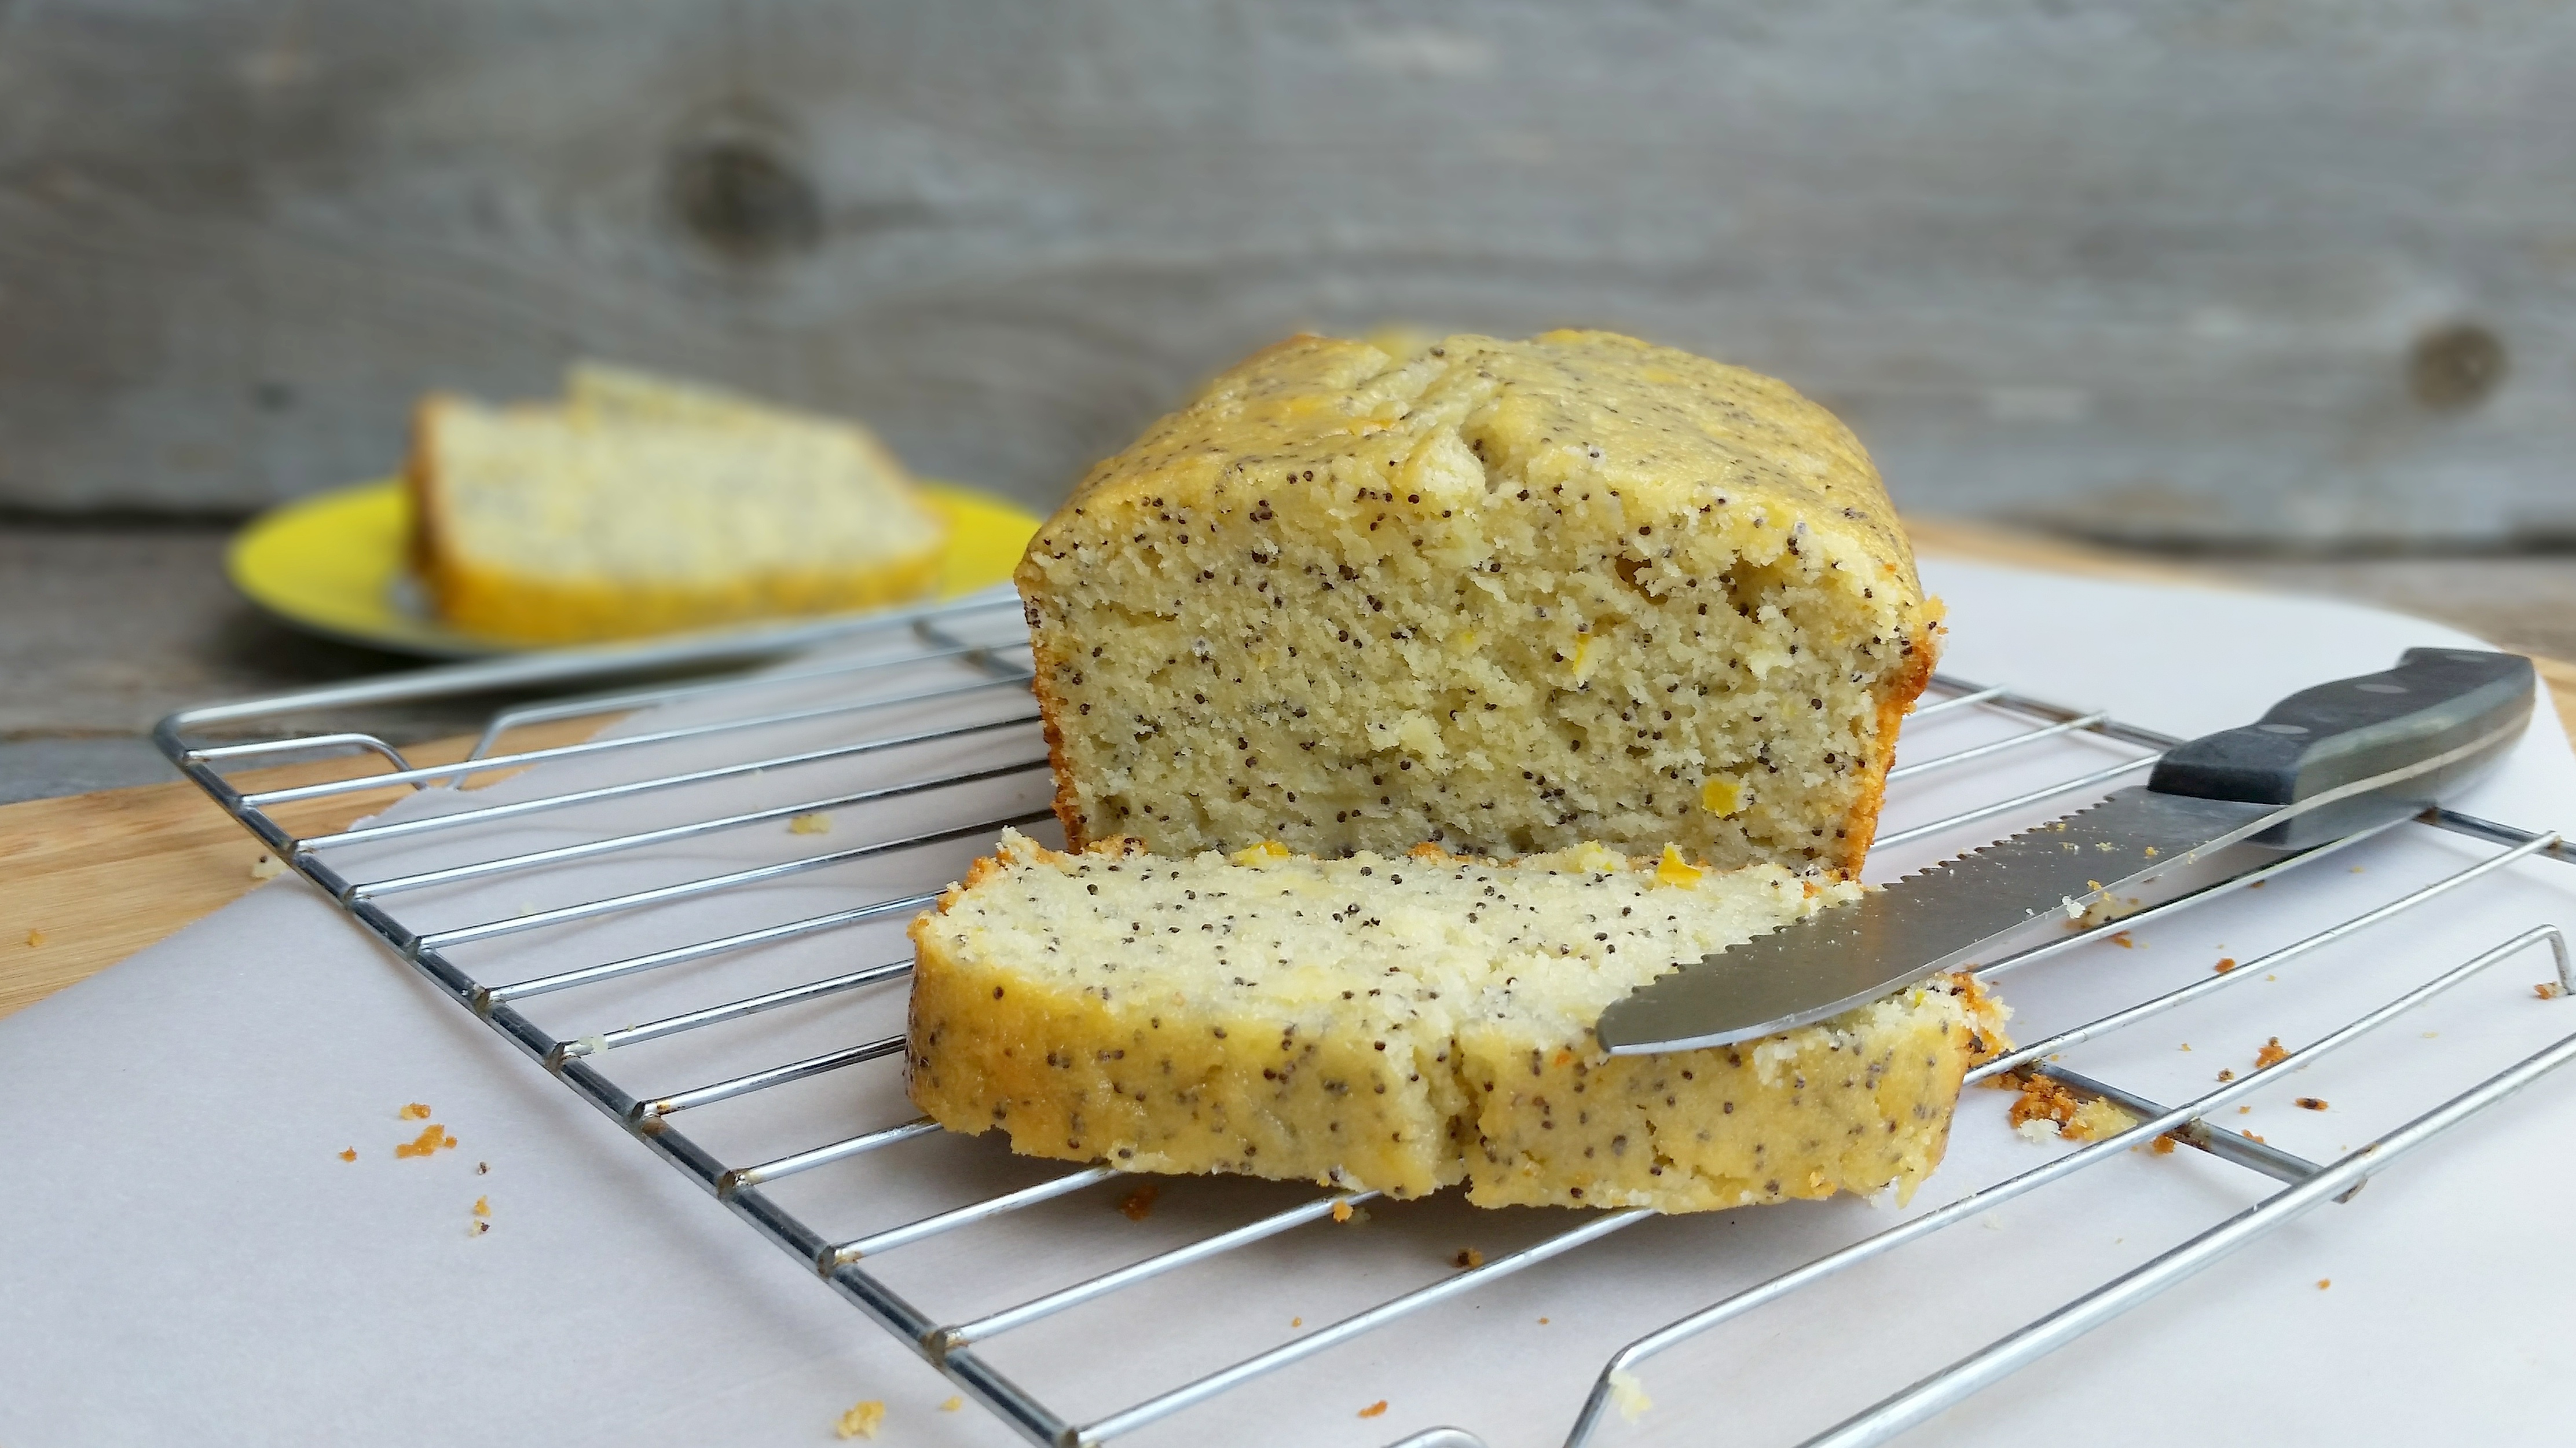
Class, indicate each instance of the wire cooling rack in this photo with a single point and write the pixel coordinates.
(890, 749)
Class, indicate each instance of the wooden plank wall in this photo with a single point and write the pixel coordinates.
(2297, 270)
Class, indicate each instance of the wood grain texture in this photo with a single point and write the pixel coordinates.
(93, 878)
(2301, 270)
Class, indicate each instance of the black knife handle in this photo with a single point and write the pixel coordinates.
(2463, 703)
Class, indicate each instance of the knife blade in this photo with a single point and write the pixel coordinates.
(2321, 765)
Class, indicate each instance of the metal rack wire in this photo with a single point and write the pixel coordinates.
(871, 695)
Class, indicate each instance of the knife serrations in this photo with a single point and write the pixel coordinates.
(2135, 849)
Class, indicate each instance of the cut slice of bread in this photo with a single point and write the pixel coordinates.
(642, 506)
(1505, 596)
(1404, 1023)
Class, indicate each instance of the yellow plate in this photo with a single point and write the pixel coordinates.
(335, 563)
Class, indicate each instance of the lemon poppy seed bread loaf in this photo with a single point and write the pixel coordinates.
(1505, 596)
(640, 505)
(1405, 1023)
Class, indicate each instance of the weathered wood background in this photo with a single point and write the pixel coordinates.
(2301, 271)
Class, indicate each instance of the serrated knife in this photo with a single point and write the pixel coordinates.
(2323, 764)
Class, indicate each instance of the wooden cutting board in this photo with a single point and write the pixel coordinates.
(93, 878)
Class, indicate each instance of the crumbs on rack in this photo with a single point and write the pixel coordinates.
(2049, 1108)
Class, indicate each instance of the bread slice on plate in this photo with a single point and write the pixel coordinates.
(641, 506)
(1403, 1023)
(1503, 596)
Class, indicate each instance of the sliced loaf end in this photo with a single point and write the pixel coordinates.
(1405, 1023)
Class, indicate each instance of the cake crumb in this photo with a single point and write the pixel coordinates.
(2244, 1110)
(267, 867)
(482, 1206)
(2271, 1055)
(2324, 1282)
(811, 823)
(1296, 1322)
(2186, 1045)
(416, 1111)
(1139, 1204)
(1374, 1409)
(2122, 940)
(2226, 1074)
(1628, 1395)
(35, 938)
(1341, 1211)
(348, 1153)
(2163, 1145)
(2549, 990)
(2065, 1115)
(863, 1420)
(432, 1139)
(1468, 1257)
(2226, 963)
(953, 1404)
(2312, 1103)
(478, 1229)
(2249, 1135)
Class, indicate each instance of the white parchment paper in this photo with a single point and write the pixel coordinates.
(185, 1257)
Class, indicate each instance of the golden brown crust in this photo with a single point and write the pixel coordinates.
(1298, 400)
(1895, 701)
(1068, 801)
(420, 483)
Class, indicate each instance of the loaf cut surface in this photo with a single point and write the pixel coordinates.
(640, 505)
(1503, 596)
(1404, 1023)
